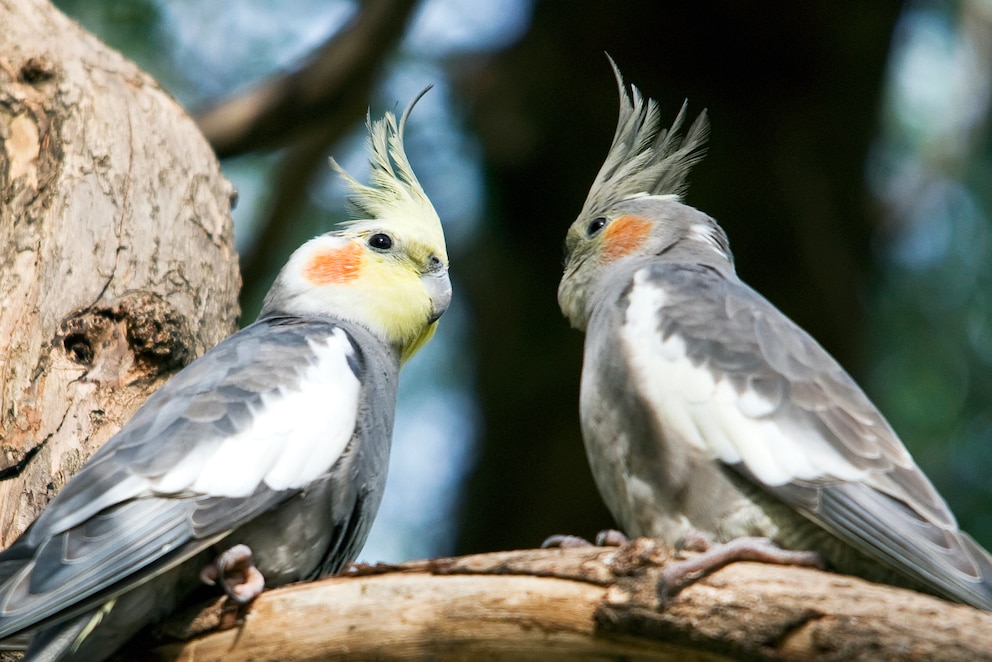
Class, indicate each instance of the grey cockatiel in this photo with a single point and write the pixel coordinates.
(707, 413)
(272, 447)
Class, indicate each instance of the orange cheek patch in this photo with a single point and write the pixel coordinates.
(624, 235)
(334, 266)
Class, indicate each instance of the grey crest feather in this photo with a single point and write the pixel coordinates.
(645, 159)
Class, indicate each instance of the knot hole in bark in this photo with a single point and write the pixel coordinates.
(137, 336)
(36, 69)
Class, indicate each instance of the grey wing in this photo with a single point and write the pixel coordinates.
(762, 396)
(328, 522)
(109, 553)
(191, 466)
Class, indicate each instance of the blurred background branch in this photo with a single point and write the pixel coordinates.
(328, 92)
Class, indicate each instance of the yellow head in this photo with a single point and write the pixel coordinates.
(387, 271)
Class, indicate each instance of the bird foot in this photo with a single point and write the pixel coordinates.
(235, 570)
(694, 541)
(611, 538)
(564, 541)
(680, 574)
(605, 538)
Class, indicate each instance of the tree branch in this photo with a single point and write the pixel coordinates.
(307, 111)
(596, 602)
(285, 108)
(276, 239)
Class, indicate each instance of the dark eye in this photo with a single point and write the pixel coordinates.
(381, 242)
(595, 225)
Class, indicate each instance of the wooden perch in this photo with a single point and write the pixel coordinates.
(569, 603)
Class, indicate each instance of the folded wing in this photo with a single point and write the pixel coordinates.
(250, 424)
(740, 381)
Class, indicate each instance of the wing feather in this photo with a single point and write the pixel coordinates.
(733, 376)
(242, 429)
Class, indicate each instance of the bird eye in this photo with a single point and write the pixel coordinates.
(595, 225)
(381, 242)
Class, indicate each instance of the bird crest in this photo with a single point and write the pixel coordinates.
(644, 159)
(394, 194)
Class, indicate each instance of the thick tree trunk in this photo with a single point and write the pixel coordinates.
(592, 603)
(117, 263)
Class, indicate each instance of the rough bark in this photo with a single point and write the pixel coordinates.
(592, 603)
(118, 264)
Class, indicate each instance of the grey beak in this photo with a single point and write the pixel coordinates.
(438, 287)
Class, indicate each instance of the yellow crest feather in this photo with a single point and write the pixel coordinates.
(394, 195)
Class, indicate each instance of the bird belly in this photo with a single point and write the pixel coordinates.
(289, 542)
(654, 485)
(654, 492)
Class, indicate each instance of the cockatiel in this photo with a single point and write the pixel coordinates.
(708, 415)
(271, 448)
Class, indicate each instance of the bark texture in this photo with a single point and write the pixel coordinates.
(117, 262)
(591, 603)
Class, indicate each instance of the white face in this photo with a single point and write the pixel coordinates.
(395, 287)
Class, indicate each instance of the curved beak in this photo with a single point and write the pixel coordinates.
(438, 287)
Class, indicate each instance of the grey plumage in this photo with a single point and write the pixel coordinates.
(705, 410)
(644, 157)
(109, 531)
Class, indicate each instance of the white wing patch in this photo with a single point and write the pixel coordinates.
(706, 411)
(325, 416)
(295, 436)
